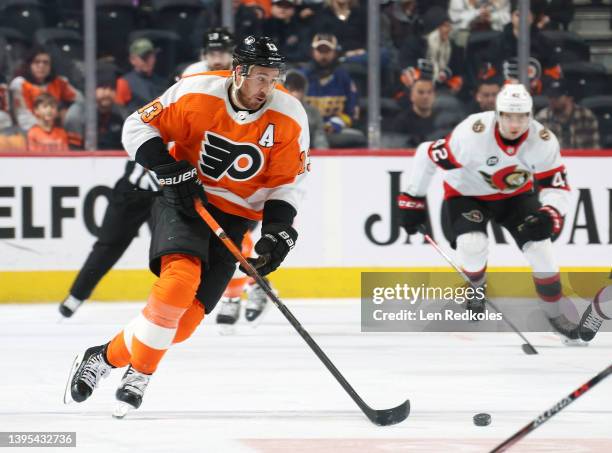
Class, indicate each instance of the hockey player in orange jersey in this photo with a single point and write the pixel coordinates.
(124, 217)
(241, 146)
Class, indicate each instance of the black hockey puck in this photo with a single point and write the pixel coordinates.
(482, 419)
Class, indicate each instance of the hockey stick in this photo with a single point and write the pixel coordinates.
(527, 347)
(545, 416)
(381, 417)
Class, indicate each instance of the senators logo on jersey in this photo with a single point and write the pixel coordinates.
(222, 157)
(507, 179)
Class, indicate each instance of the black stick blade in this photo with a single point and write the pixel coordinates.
(528, 349)
(387, 417)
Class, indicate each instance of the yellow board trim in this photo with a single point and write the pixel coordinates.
(329, 282)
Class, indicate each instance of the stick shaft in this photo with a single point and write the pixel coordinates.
(252, 272)
(450, 261)
(547, 415)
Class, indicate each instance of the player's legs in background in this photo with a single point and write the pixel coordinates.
(229, 309)
(229, 305)
(123, 218)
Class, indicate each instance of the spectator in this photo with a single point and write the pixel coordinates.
(435, 46)
(37, 76)
(404, 20)
(141, 84)
(297, 85)
(332, 92)
(477, 15)
(485, 95)
(46, 135)
(418, 122)
(216, 53)
(5, 116)
(110, 116)
(12, 139)
(348, 22)
(287, 30)
(263, 7)
(247, 19)
(575, 126)
(555, 14)
(502, 53)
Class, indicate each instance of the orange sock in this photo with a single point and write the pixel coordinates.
(145, 339)
(189, 322)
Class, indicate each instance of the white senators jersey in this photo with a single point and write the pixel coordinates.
(243, 159)
(478, 164)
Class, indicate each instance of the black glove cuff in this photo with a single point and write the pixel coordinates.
(153, 153)
(278, 211)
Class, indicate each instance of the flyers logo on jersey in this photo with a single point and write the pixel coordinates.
(507, 179)
(222, 157)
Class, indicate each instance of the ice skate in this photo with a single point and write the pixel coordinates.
(69, 306)
(566, 330)
(85, 375)
(476, 304)
(257, 301)
(589, 324)
(130, 392)
(229, 311)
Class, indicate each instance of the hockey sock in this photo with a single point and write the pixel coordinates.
(472, 250)
(546, 275)
(478, 278)
(147, 338)
(602, 303)
(188, 323)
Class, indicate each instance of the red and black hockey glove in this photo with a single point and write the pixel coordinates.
(179, 185)
(412, 212)
(544, 224)
(276, 241)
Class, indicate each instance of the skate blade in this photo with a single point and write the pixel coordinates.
(121, 410)
(577, 343)
(75, 365)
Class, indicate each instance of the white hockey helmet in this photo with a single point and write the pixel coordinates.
(513, 99)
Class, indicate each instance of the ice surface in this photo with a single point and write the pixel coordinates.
(263, 390)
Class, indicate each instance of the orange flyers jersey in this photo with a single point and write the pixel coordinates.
(24, 93)
(54, 140)
(242, 158)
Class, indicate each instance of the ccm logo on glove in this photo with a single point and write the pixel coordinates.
(405, 201)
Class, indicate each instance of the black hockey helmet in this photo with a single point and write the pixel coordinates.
(218, 39)
(260, 51)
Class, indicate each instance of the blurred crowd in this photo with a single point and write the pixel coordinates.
(440, 61)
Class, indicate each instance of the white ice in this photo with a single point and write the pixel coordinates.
(263, 390)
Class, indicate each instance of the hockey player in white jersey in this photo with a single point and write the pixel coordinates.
(501, 165)
(216, 52)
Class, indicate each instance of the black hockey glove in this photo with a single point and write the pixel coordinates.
(180, 184)
(412, 212)
(273, 246)
(544, 224)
